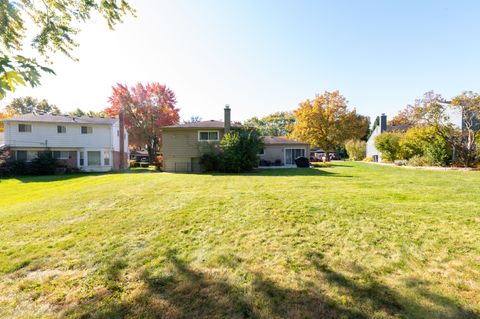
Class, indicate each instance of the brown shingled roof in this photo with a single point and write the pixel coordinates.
(50, 118)
(202, 124)
(280, 140)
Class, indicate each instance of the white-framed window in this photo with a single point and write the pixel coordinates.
(93, 158)
(87, 130)
(206, 136)
(61, 129)
(261, 151)
(106, 158)
(26, 156)
(82, 160)
(25, 128)
(63, 155)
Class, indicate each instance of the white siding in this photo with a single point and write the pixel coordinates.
(371, 149)
(47, 132)
(116, 138)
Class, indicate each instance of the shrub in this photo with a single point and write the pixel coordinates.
(356, 149)
(211, 162)
(389, 144)
(158, 162)
(239, 150)
(423, 141)
(43, 164)
(132, 163)
(368, 159)
(420, 161)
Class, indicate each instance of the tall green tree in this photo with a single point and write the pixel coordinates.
(276, 124)
(326, 122)
(28, 104)
(54, 25)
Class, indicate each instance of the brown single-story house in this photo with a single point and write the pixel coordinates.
(184, 144)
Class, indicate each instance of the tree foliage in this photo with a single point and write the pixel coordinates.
(239, 149)
(356, 149)
(146, 108)
(277, 124)
(28, 104)
(389, 144)
(423, 142)
(327, 122)
(55, 25)
(79, 112)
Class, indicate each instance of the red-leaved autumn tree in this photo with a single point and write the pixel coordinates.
(146, 108)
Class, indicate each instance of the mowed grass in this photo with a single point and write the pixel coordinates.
(352, 240)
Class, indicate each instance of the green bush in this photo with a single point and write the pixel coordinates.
(418, 160)
(389, 144)
(423, 142)
(239, 149)
(211, 162)
(356, 149)
(43, 164)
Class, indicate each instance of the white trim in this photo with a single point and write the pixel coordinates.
(208, 131)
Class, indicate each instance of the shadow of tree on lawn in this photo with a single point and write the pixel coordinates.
(183, 292)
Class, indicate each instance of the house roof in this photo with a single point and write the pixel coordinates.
(212, 124)
(398, 128)
(269, 140)
(64, 118)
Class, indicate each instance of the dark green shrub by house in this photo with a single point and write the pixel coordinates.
(239, 149)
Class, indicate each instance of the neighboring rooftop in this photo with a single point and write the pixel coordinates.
(398, 128)
(202, 124)
(280, 140)
(61, 118)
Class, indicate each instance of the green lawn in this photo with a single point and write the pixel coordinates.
(353, 240)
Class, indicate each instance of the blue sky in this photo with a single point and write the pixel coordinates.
(266, 56)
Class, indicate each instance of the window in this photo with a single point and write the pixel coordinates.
(291, 154)
(61, 129)
(25, 128)
(82, 161)
(87, 130)
(261, 151)
(93, 158)
(106, 158)
(22, 156)
(208, 135)
(26, 156)
(61, 154)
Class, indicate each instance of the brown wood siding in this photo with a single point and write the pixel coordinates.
(179, 146)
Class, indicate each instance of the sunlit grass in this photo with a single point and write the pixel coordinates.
(352, 240)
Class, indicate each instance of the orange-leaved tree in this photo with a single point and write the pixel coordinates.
(146, 108)
(326, 122)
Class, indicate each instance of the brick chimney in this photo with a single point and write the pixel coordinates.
(383, 123)
(226, 119)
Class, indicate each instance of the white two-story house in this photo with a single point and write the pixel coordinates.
(91, 144)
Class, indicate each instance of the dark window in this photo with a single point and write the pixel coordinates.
(61, 155)
(87, 130)
(208, 136)
(261, 151)
(61, 129)
(24, 127)
(22, 156)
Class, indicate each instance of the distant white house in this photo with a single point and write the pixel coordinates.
(89, 143)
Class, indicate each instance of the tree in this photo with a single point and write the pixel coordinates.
(56, 25)
(389, 144)
(239, 149)
(422, 142)
(28, 104)
(327, 123)
(3, 116)
(356, 149)
(146, 109)
(465, 143)
(405, 116)
(193, 119)
(79, 112)
(277, 124)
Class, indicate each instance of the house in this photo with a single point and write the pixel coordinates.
(184, 144)
(379, 126)
(91, 144)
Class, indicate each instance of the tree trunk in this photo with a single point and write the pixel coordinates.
(327, 156)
